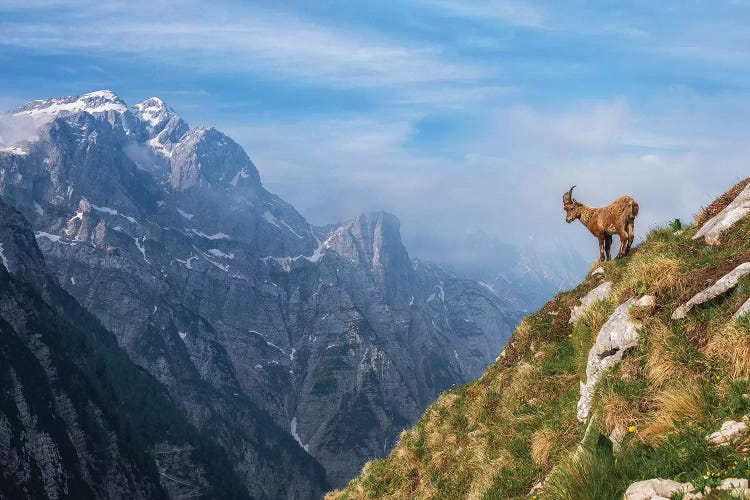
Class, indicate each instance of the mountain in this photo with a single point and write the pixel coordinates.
(635, 384)
(293, 346)
(524, 278)
(72, 419)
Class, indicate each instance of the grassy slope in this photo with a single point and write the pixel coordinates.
(516, 425)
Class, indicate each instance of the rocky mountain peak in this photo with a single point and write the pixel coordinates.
(154, 113)
(374, 241)
(204, 156)
(256, 322)
(370, 238)
(101, 101)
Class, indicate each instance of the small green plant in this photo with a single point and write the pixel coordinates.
(640, 288)
(675, 225)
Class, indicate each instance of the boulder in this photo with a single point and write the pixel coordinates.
(601, 292)
(724, 283)
(744, 309)
(711, 231)
(616, 336)
(730, 431)
(656, 489)
(736, 487)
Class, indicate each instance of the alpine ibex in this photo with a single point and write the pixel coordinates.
(616, 218)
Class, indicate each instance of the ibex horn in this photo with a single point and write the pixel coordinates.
(569, 195)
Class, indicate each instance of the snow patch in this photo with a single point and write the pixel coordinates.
(218, 253)
(52, 237)
(269, 217)
(3, 258)
(268, 342)
(182, 335)
(139, 243)
(185, 214)
(187, 262)
(112, 211)
(93, 102)
(286, 262)
(38, 209)
(242, 173)
(14, 150)
(72, 280)
(293, 432)
(217, 236)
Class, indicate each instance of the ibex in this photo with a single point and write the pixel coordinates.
(616, 218)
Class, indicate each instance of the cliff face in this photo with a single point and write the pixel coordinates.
(292, 345)
(72, 423)
(635, 383)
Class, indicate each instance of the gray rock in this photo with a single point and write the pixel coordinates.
(656, 489)
(712, 230)
(601, 292)
(742, 311)
(617, 336)
(724, 283)
(730, 431)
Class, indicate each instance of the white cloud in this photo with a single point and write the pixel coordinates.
(509, 11)
(247, 41)
(508, 183)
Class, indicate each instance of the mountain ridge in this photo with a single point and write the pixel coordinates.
(225, 294)
(72, 423)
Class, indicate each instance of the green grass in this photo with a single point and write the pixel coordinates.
(476, 441)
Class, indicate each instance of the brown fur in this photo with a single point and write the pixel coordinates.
(616, 218)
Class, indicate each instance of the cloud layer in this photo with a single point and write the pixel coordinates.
(456, 115)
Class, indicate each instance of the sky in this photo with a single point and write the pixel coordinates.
(457, 116)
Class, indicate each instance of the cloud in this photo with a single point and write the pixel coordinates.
(247, 40)
(508, 179)
(16, 128)
(508, 11)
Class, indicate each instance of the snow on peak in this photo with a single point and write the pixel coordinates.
(153, 112)
(16, 149)
(101, 101)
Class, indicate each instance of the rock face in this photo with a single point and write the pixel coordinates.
(713, 228)
(72, 423)
(730, 431)
(266, 330)
(663, 489)
(601, 292)
(616, 336)
(656, 489)
(726, 282)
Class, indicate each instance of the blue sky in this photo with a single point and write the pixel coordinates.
(456, 115)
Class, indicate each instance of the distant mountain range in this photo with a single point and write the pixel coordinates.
(301, 351)
(524, 277)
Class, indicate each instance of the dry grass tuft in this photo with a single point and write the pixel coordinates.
(542, 442)
(619, 413)
(743, 446)
(521, 387)
(675, 405)
(661, 276)
(731, 348)
(663, 364)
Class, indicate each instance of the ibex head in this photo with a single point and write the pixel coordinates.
(571, 207)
